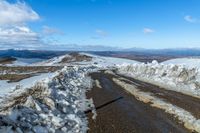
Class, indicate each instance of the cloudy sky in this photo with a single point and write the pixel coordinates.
(42, 24)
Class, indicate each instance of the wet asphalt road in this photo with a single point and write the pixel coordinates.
(188, 103)
(120, 112)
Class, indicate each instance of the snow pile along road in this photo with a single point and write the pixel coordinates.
(188, 62)
(55, 105)
(173, 77)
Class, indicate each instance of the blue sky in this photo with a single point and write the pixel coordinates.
(115, 23)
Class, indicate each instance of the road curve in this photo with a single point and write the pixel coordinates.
(120, 112)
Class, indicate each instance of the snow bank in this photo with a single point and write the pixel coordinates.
(56, 105)
(173, 77)
(188, 62)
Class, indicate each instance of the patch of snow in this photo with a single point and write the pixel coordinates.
(98, 84)
(25, 61)
(51, 62)
(6, 88)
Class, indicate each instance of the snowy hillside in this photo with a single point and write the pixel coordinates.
(23, 62)
(26, 61)
(105, 62)
(85, 59)
(23, 84)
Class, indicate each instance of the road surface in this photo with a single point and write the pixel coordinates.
(120, 112)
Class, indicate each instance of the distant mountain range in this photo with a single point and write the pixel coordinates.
(100, 50)
(31, 53)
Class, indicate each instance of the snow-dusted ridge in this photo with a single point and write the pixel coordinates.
(96, 60)
(51, 62)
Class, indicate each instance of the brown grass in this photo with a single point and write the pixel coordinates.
(29, 69)
(7, 60)
(15, 77)
(16, 74)
(76, 57)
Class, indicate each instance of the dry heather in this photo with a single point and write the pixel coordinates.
(75, 57)
(16, 74)
(7, 60)
(15, 77)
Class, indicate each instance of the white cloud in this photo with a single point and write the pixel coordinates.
(16, 13)
(14, 32)
(19, 36)
(148, 30)
(190, 19)
(101, 33)
(51, 31)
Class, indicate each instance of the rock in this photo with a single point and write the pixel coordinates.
(49, 102)
(39, 129)
(19, 130)
(6, 129)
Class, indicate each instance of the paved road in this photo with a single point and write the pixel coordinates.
(120, 112)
